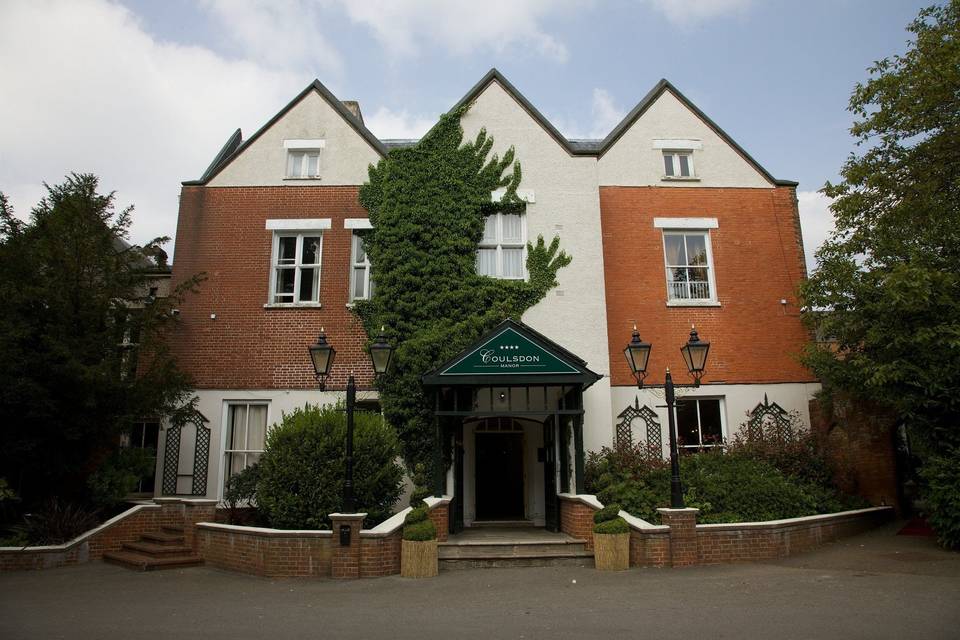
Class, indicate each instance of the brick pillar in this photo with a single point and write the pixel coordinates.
(346, 559)
(683, 535)
(576, 519)
(195, 511)
(440, 515)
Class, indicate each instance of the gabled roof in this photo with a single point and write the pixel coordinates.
(572, 369)
(586, 148)
(234, 147)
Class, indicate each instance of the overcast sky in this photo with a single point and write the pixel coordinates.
(144, 92)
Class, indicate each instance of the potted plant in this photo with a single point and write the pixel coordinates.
(611, 539)
(418, 551)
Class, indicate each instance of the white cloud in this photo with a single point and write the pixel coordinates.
(280, 33)
(816, 221)
(461, 26)
(87, 90)
(388, 124)
(687, 12)
(605, 114)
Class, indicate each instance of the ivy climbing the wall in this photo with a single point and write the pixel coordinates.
(427, 204)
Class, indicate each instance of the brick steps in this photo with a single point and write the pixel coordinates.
(164, 549)
(513, 552)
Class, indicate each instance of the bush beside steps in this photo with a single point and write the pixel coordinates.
(611, 539)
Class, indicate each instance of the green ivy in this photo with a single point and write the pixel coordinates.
(427, 205)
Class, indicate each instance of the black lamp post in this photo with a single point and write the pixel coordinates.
(694, 354)
(322, 355)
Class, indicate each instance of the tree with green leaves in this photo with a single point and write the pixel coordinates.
(427, 204)
(887, 288)
(81, 340)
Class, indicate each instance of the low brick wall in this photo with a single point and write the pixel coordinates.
(277, 553)
(109, 536)
(576, 516)
(265, 552)
(720, 543)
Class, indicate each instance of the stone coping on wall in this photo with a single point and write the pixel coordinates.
(85, 535)
(385, 528)
(821, 518)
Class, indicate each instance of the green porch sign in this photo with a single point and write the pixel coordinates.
(509, 353)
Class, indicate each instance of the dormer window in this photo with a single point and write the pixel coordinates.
(678, 164)
(303, 158)
(678, 157)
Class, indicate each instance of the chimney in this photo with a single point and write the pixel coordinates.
(354, 107)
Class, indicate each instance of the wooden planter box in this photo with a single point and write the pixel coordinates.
(611, 551)
(418, 559)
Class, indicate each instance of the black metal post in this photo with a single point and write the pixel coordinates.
(676, 489)
(348, 504)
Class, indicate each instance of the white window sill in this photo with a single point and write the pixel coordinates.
(292, 305)
(680, 179)
(353, 302)
(693, 303)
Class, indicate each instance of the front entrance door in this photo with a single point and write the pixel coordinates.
(499, 486)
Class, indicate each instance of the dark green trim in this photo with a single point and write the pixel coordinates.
(583, 377)
(578, 455)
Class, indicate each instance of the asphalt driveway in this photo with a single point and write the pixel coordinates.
(877, 585)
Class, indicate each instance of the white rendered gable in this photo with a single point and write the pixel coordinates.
(344, 155)
(636, 158)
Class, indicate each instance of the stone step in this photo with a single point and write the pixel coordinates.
(452, 564)
(142, 562)
(500, 524)
(506, 550)
(154, 549)
(164, 537)
(173, 528)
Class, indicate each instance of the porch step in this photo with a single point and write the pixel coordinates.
(505, 553)
(500, 524)
(163, 537)
(152, 548)
(144, 562)
(173, 528)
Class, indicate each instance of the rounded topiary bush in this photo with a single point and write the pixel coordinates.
(609, 512)
(421, 531)
(302, 469)
(417, 515)
(614, 526)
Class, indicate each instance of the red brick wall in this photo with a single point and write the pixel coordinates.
(129, 528)
(649, 549)
(222, 232)
(757, 258)
(576, 519)
(440, 514)
(380, 556)
(859, 439)
(264, 554)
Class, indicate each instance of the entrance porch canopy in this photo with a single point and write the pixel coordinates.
(512, 354)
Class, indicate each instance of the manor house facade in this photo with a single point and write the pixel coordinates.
(669, 223)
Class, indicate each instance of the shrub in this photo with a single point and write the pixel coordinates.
(241, 491)
(302, 468)
(614, 526)
(726, 488)
(609, 512)
(417, 515)
(941, 474)
(118, 475)
(420, 531)
(57, 522)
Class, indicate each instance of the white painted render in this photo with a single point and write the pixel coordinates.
(567, 205)
(738, 399)
(633, 159)
(343, 160)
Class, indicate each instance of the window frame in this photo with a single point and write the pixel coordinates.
(499, 246)
(226, 431)
(368, 283)
(675, 154)
(721, 402)
(298, 266)
(712, 300)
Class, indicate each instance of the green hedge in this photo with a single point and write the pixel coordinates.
(942, 495)
(417, 515)
(609, 512)
(420, 531)
(302, 469)
(615, 526)
(726, 488)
